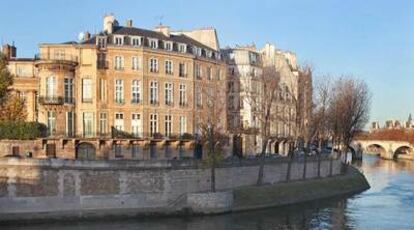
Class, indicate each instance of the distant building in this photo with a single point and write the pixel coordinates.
(393, 124)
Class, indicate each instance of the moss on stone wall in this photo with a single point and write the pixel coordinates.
(299, 191)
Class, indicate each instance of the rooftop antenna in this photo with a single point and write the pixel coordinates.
(160, 18)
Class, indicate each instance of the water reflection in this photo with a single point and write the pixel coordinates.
(389, 204)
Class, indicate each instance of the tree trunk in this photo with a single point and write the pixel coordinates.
(262, 163)
(213, 177)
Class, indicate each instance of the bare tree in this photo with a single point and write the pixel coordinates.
(264, 107)
(212, 124)
(349, 109)
(320, 129)
(304, 104)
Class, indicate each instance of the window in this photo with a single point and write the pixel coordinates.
(153, 65)
(209, 53)
(136, 41)
(153, 43)
(198, 97)
(230, 86)
(136, 125)
(182, 48)
(87, 90)
(198, 71)
(183, 95)
(119, 40)
(168, 125)
(119, 91)
(59, 54)
(182, 72)
(153, 92)
(102, 89)
(218, 74)
(68, 90)
(101, 62)
(51, 122)
(209, 73)
(69, 124)
(183, 125)
(168, 93)
(253, 58)
(103, 123)
(136, 92)
(197, 51)
(50, 87)
(119, 121)
(153, 124)
(119, 62)
(168, 67)
(87, 124)
(101, 42)
(135, 63)
(231, 102)
(168, 46)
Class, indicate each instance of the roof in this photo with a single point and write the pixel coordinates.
(133, 31)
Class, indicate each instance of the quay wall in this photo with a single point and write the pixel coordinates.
(57, 188)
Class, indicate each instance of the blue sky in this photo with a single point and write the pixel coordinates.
(372, 40)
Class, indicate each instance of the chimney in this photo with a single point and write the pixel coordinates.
(87, 36)
(163, 29)
(9, 51)
(128, 23)
(108, 23)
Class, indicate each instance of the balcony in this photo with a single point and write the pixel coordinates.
(50, 100)
(67, 60)
(102, 64)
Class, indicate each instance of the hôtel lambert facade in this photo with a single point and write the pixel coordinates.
(126, 92)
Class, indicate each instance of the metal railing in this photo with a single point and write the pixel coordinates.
(50, 100)
(102, 64)
(56, 57)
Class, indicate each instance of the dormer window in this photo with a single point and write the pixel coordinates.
(199, 51)
(101, 42)
(153, 43)
(182, 48)
(119, 40)
(136, 41)
(168, 46)
(209, 53)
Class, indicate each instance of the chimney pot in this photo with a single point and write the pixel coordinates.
(9, 51)
(87, 36)
(129, 23)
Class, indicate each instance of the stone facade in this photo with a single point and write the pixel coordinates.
(122, 85)
(245, 65)
(67, 187)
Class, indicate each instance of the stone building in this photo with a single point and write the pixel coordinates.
(124, 92)
(245, 64)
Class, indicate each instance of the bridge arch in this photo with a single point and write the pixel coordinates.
(402, 150)
(377, 149)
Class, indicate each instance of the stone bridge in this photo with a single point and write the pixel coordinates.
(385, 149)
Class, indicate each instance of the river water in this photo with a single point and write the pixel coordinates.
(389, 204)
